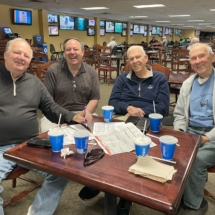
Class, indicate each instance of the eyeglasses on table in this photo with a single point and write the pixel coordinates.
(93, 156)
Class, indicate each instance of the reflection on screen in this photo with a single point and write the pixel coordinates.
(7, 30)
(110, 27)
(53, 30)
(66, 22)
(118, 27)
(52, 18)
(142, 29)
(102, 31)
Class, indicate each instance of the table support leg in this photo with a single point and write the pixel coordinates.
(110, 204)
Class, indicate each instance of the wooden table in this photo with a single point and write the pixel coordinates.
(110, 174)
(117, 58)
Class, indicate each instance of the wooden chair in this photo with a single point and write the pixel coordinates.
(160, 68)
(206, 192)
(88, 57)
(42, 69)
(105, 63)
(17, 172)
(55, 55)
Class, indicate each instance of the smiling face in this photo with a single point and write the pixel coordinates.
(18, 57)
(201, 61)
(73, 53)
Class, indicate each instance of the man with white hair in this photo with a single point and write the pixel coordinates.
(112, 42)
(193, 41)
(195, 113)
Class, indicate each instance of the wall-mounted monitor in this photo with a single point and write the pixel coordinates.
(109, 27)
(102, 31)
(53, 30)
(136, 29)
(146, 31)
(102, 23)
(131, 33)
(142, 29)
(124, 25)
(179, 32)
(118, 27)
(154, 30)
(91, 31)
(7, 30)
(166, 31)
(131, 26)
(80, 24)
(197, 32)
(67, 22)
(170, 32)
(91, 22)
(22, 17)
(124, 32)
(158, 32)
(52, 18)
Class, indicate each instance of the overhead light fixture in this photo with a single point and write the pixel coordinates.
(211, 9)
(134, 17)
(177, 24)
(187, 26)
(178, 15)
(94, 8)
(204, 23)
(195, 20)
(149, 5)
(162, 21)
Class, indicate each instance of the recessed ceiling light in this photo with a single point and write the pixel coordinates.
(94, 8)
(204, 23)
(162, 21)
(212, 9)
(195, 20)
(177, 15)
(149, 5)
(134, 17)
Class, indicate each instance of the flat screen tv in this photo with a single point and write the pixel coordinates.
(109, 27)
(66, 22)
(80, 24)
(142, 29)
(102, 31)
(124, 25)
(118, 27)
(7, 30)
(136, 29)
(22, 17)
(53, 30)
(91, 22)
(154, 30)
(179, 32)
(146, 31)
(170, 32)
(102, 23)
(124, 32)
(131, 33)
(166, 31)
(131, 26)
(52, 18)
(91, 31)
(158, 30)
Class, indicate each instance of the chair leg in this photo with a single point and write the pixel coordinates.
(208, 194)
(14, 183)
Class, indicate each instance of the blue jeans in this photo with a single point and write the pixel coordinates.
(205, 158)
(47, 197)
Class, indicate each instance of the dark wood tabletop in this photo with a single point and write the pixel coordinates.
(110, 174)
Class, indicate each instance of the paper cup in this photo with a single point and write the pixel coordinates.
(155, 122)
(167, 145)
(107, 113)
(56, 137)
(142, 145)
(81, 141)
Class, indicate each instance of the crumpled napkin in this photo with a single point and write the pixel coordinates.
(65, 152)
(149, 168)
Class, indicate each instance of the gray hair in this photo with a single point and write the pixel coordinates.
(11, 42)
(206, 46)
(73, 38)
(136, 47)
(194, 40)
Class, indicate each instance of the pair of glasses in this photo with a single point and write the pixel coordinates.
(93, 156)
(74, 85)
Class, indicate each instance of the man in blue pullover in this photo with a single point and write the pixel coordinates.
(133, 95)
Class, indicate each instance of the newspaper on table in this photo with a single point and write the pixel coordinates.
(116, 138)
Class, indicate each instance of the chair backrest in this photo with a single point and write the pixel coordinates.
(162, 69)
(114, 50)
(88, 57)
(42, 68)
(103, 54)
(39, 56)
(52, 48)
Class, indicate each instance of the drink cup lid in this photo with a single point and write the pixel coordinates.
(107, 107)
(55, 132)
(155, 116)
(142, 140)
(81, 134)
(168, 139)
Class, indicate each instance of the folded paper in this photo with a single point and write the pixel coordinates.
(65, 152)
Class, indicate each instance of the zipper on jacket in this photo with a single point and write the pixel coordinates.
(139, 88)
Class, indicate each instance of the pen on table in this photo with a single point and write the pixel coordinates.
(85, 109)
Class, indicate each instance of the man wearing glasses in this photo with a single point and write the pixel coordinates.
(73, 85)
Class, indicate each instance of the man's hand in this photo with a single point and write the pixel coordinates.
(133, 111)
(81, 118)
(205, 139)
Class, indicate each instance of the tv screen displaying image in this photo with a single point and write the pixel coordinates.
(109, 27)
(66, 22)
(80, 24)
(170, 32)
(53, 30)
(22, 17)
(131, 26)
(131, 33)
(91, 22)
(124, 33)
(102, 31)
(145, 33)
(136, 29)
(102, 23)
(158, 30)
(154, 30)
(7, 30)
(179, 32)
(142, 29)
(118, 27)
(91, 31)
(124, 25)
(166, 31)
(52, 18)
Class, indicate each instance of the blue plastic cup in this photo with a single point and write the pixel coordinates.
(155, 122)
(81, 141)
(168, 145)
(107, 113)
(56, 137)
(142, 145)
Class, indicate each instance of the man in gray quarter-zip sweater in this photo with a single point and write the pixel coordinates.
(21, 94)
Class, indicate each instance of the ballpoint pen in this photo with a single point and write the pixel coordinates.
(85, 108)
